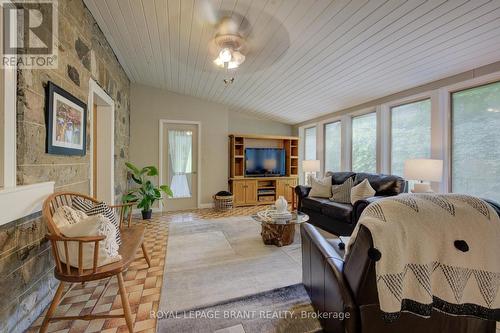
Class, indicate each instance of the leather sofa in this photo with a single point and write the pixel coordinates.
(340, 218)
(338, 285)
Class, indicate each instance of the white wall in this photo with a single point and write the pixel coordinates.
(148, 105)
(244, 123)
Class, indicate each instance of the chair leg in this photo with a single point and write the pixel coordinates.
(125, 303)
(146, 255)
(52, 308)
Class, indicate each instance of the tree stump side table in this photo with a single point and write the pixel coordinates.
(279, 232)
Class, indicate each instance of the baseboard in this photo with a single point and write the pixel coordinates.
(207, 205)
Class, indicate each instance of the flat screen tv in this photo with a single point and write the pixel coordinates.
(264, 162)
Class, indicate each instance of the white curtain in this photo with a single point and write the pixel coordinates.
(180, 143)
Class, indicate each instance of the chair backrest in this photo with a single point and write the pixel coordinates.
(339, 177)
(384, 185)
(57, 200)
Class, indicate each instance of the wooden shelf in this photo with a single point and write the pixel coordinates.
(246, 189)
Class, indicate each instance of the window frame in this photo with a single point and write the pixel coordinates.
(323, 162)
(15, 201)
(8, 96)
(462, 86)
(446, 121)
(412, 99)
(440, 125)
(361, 113)
(315, 138)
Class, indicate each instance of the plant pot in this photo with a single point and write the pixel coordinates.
(146, 214)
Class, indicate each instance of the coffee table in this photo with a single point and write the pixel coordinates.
(279, 231)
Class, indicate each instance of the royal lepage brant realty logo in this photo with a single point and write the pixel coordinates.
(29, 32)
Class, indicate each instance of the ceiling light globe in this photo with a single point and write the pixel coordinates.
(225, 55)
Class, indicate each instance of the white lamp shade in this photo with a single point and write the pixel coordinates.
(311, 166)
(424, 170)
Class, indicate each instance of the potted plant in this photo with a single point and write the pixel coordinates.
(146, 193)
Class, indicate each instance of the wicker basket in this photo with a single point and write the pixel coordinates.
(223, 203)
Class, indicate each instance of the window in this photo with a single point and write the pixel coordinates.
(332, 146)
(310, 144)
(180, 147)
(475, 154)
(364, 143)
(410, 133)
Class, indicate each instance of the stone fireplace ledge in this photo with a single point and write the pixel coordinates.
(20, 201)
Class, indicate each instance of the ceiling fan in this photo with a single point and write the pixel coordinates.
(235, 40)
(228, 45)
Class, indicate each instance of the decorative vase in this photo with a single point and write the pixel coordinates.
(146, 214)
(281, 205)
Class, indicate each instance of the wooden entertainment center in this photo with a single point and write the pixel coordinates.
(261, 190)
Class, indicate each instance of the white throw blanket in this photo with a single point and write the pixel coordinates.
(421, 266)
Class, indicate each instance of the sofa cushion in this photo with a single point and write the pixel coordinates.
(342, 193)
(362, 191)
(320, 187)
(96, 225)
(338, 211)
(314, 203)
(384, 185)
(339, 177)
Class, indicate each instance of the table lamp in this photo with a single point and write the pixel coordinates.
(310, 166)
(423, 169)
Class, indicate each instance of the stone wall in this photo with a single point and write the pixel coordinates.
(26, 267)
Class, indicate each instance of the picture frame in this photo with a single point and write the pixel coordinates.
(66, 122)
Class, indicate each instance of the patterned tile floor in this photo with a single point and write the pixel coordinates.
(143, 284)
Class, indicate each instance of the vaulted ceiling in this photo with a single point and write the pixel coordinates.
(306, 57)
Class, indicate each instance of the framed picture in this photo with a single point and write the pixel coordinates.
(66, 122)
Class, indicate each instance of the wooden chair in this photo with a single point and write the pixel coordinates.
(132, 237)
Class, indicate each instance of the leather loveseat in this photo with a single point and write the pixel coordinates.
(340, 218)
(344, 292)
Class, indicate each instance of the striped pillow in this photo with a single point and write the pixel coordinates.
(342, 193)
(90, 209)
(362, 191)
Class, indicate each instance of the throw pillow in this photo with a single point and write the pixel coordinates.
(96, 225)
(91, 209)
(362, 191)
(82, 204)
(65, 215)
(321, 188)
(342, 193)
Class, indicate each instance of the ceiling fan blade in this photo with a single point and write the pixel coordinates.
(207, 12)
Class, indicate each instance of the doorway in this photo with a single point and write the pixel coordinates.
(102, 129)
(179, 159)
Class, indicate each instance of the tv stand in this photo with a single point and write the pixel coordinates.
(265, 189)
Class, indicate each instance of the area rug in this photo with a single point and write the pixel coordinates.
(286, 310)
(210, 261)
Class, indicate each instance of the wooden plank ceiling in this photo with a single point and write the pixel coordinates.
(306, 57)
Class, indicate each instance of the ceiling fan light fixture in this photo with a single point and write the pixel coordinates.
(235, 60)
(238, 57)
(225, 55)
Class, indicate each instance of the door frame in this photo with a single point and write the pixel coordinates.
(162, 122)
(105, 106)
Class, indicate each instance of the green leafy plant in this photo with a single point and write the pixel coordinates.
(146, 194)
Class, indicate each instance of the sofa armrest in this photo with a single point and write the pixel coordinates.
(323, 278)
(360, 205)
(302, 192)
